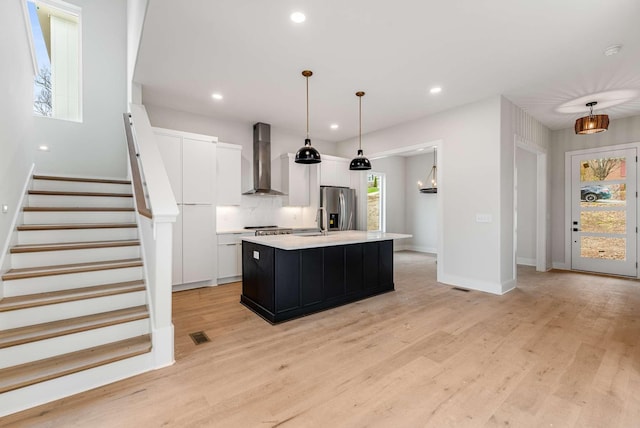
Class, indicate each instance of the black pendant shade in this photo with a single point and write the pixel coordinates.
(360, 163)
(307, 154)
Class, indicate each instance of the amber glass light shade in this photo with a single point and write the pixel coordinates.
(592, 124)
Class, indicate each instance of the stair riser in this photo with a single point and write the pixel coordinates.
(72, 186)
(79, 308)
(44, 392)
(76, 235)
(69, 217)
(44, 284)
(61, 257)
(79, 201)
(42, 349)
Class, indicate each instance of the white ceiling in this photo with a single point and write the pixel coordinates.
(540, 54)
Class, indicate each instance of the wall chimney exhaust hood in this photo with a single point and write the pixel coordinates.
(262, 161)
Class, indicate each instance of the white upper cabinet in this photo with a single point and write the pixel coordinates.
(229, 160)
(198, 173)
(295, 181)
(189, 160)
(334, 171)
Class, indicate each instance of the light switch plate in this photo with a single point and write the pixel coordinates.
(483, 218)
(256, 255)
(5, 209)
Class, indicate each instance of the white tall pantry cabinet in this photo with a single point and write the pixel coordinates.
(190, 161)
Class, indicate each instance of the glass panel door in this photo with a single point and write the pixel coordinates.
(603, 225)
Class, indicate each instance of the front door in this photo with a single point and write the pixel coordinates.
(603, 223)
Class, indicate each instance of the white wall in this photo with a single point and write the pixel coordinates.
(471, 136)
(95, 147)
(254, 210)
(421, 208)
(620, 131)
(136, 12)
(16, 111)
(394, 170)
(526, 207)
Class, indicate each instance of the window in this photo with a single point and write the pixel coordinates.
(55, 37)
(375, 202)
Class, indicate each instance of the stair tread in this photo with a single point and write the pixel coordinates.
(32, 248)
(39, 371)
(30, 227)
(65, 193)
(38, 271)
(32, 333)
(70, 295)
(81, 179)
(79, 209)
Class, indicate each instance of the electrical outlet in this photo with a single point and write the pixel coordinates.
(484, 218)
(5, 208)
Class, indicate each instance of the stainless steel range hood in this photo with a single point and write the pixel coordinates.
(262, 161)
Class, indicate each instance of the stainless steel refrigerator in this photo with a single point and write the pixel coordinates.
(340, 204)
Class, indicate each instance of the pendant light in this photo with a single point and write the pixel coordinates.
(593, 123)
(360, 163)
(307, 154)
(433, 175)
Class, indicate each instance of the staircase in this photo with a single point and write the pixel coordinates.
(74, 314)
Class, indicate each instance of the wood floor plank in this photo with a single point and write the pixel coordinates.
(424, 355)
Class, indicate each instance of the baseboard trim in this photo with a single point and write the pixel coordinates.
(419, 249)
(560, 266)
(526, 261)
(472, 284)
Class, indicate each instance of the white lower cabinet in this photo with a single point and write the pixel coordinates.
(230, 257)
(194, 255)
(198, 256)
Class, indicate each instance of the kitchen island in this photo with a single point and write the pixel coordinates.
(288, 276)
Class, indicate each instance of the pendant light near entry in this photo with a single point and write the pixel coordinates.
(593, 123)
(307, 154)
(360, 163)
(433, 175)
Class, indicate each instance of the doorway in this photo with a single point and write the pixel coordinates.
(603, 211)
(376, 202)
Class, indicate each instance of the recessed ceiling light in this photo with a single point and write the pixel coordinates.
(217, 96)
(420, 149)
(298, 17)
(334, 126)
(435, 90)
(612, 50)
(43, 148)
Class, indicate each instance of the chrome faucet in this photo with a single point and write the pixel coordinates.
(324, 226)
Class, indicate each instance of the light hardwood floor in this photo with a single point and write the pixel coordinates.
(561, 350)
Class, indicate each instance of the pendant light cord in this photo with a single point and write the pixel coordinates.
(307, 78)
(360, 123)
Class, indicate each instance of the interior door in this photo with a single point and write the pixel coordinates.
(604, 205)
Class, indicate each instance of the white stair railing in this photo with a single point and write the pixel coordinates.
(157, 210)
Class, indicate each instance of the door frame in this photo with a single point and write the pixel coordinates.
(440, 147)
(541, 203)
(567, 195)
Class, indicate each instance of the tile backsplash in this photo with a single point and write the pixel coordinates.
(262, 211)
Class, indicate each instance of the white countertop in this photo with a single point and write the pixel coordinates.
(296, 242)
